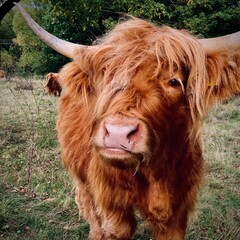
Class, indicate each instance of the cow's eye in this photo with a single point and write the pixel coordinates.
(174, 82)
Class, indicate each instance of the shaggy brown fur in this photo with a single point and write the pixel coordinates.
(161, 80)
(52, 84)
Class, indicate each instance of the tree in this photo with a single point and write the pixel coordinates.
(6, 31)
(208, 18)
(31, 57)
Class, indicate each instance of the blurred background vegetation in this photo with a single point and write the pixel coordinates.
(82, 21)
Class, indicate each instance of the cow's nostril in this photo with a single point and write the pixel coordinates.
(132, 133)
(106, 132)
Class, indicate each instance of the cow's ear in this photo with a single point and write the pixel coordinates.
(52, 84)
(223, 76)
(216, 78)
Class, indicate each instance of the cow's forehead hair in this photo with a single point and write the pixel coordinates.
(137, 44)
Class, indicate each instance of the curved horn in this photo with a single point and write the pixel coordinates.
(229, 42)
(61, 46)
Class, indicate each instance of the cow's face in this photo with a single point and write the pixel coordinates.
(146, 90)
(138, 113)
(135, 85)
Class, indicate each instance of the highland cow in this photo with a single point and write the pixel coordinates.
(130, 122)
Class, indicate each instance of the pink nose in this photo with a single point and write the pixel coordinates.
(121, 136)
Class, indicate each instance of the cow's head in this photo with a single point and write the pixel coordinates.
(140, 87)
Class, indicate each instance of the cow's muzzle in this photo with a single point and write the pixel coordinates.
(122, 141)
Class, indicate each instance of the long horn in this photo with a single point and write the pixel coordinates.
(229, 42)
(63, 47)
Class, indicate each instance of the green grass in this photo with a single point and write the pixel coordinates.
(36, 193)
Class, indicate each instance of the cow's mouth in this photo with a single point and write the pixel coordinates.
(115, 151)
(120, 158)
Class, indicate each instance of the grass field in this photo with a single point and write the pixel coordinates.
(36, 193)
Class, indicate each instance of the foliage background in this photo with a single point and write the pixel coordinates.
(82, 21)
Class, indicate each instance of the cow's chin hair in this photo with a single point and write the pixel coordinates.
(128, 161)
